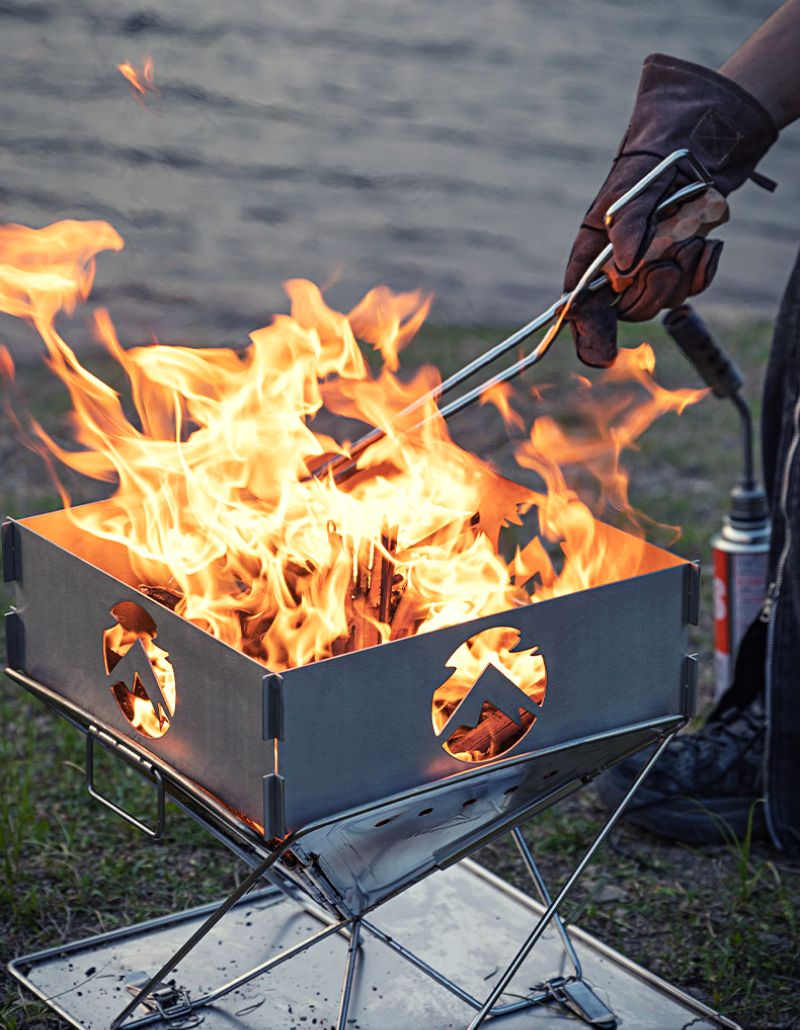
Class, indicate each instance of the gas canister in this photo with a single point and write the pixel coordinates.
(740, 553)
(741, 548)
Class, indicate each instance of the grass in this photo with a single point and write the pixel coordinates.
(721, 922)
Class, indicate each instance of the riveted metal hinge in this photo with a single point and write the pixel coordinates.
(272, 698)
(274, 811)
(15, 640)
(11, 552)
(691, 593)
(689, 684)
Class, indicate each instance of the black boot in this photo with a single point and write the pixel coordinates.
(704, 786)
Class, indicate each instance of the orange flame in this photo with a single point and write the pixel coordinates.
(214, 488)
(141, 83)
(500, 395)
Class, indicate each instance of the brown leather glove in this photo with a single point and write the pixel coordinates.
(678, 105)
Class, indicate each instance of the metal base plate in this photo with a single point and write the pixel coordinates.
(464, 921)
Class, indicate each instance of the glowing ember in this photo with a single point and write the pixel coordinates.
(141, 82)
(216, 503)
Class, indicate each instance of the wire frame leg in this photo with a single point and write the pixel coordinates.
(330, 928)
(535, 874)
(514, 966)
(155, 981)
(349, 973)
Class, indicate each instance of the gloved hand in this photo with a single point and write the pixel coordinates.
(678, 105)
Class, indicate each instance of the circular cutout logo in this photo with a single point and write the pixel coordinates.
(492, 698)
(142, 674)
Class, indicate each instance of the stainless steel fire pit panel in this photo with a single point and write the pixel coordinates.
(215, 738)
(367, 858)
(352, 729)
(358, 727)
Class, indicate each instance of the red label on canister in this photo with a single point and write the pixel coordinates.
(739, 586)
(748, 582)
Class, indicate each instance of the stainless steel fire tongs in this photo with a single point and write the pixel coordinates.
(679, 218)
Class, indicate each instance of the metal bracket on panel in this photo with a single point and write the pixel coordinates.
(691, 605)
(173, 1004)
(689, 684)
(274, 815)
(272, 688)
(135, 761)
(11, 552)
(15, 641)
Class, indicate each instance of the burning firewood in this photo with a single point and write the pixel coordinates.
(378, 595)
(389, 544)
(169, 598)
(372, 593)
(495, 733)
(405, 615)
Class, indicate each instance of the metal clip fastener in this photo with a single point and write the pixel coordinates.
(580, 999)
(173, 1004)
(11, 551)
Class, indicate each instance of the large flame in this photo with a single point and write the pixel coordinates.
(216, 500)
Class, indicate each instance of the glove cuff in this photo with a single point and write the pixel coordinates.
(681, 104)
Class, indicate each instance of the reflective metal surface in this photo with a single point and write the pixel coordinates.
(349, 742)
(465, 922)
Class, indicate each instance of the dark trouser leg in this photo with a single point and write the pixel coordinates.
(781, 456)
(717, 775)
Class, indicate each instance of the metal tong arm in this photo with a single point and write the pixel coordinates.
(557, 310)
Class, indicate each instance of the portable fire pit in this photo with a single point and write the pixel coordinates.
(331, 780)
(318, 650)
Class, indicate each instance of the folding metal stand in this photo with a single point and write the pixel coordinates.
(85, 981)
(571, 991)
(286, 787)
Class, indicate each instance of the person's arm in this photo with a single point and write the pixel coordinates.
(728, 120)
(767, 65)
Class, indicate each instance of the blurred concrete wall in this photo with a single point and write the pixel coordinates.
(447, 145)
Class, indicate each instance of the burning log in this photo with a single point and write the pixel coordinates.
(389, 544)
(360, 590)
(495, 733)
(169, 598)
(372, 608)
(406, 614)
(340, 646)
(374, 579)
